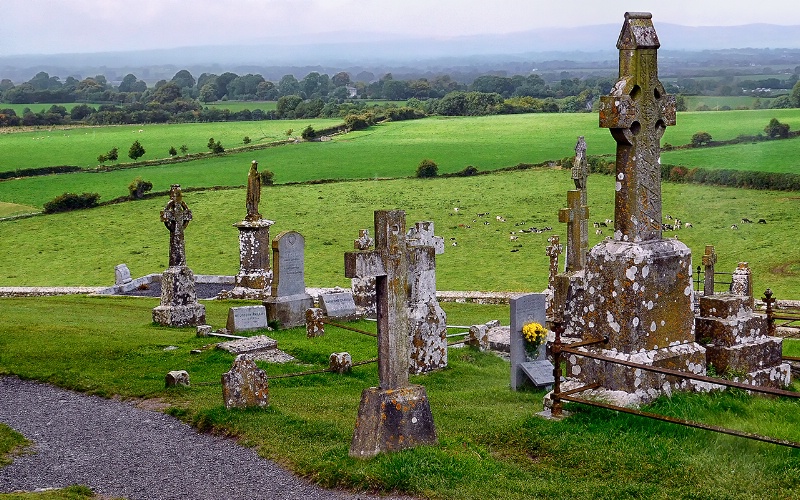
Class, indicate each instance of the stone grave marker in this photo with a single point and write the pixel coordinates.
(526, 309)
(179, 306)
(637, 286)
(709, 259)
(289, 300)
(122, 275)
(338, 305)
(395, 415)
(245, 385)
(742, 282)
(364, 288)
(246, 319)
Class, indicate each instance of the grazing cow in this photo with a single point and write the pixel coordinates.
(668, 217)
(596, 224)
(667, 227)
(745, 220)
(603, 224)
(734, 226)
(515, 250)
(455, 209)
(687, 225)
(513, 238)
(598, 232)
(547, 228)
(762, 221)
(455, 243)
(677, 224)
(609, 221)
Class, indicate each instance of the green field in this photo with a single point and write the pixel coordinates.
(766, 156)
(716, 102)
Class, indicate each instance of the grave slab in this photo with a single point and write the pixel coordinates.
(246, 319)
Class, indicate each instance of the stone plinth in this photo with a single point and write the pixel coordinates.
(179, 305)
(392, 420)
(736, 341)
(254, 279)
(289, 311)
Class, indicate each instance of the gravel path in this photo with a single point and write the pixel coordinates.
(123, 451)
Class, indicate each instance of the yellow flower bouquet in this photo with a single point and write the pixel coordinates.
(535, 335)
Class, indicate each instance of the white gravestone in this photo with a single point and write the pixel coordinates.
(246, 319)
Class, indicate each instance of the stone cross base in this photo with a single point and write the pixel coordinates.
(244, 293)
(392, 420)
(638, 294)
(189, 315)
(290, 311)
(427, 323)
(643, 386)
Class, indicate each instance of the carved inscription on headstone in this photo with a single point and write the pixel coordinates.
(338, 305)
(246, 319)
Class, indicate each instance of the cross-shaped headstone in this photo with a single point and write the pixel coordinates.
(709, 259)
(388, 263)
(176, 216)
(638, 111)
(580, 167)
(575, 215)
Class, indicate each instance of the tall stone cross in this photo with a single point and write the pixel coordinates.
(388, 263)
(638, 111)
(576, 216)
(709, 259)
(176, 216)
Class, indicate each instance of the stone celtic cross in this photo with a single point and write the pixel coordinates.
(176, 216)
(576, 216)
(388, 263)
(638, 111)
(709, 259)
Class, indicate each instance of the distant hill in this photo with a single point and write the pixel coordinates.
(349, 50)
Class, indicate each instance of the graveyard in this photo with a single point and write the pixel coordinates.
(380, 397)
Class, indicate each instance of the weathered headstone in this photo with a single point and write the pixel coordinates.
(246, 319)
(427, 320)
(179, 305)
(742, 282)
(338, 305)
(245, 385)
(122, 275)
(709, 259)
(526, 309)
(364, 288)
(255, 276)
(395, 415)
(478, 336)
(314, 324)
(638, 288)
(340, 362)
(289, 300)
(176, 377)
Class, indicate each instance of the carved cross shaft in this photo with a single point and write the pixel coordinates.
(576, 216)
(709, 259)
(388, 263)
(176, 216)
(638, 111)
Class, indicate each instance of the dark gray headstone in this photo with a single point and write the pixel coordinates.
(246, 319)
(338, 305)
(524, 309)
(539, 372)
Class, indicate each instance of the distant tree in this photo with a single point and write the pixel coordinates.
(173, 151)
(138, 187)
(71, 201)
(246, 139)
(289, 132)
(136, 151)
(169, 92)
(680, 103)
(127, 83)
(267, 177)
(266, 91)
(795, 95)
(286, 105)
(222, 83)
(208, 93)
(776, 129)
(288, 85)
(341, 79)
(427, 168)
(102, 158)
(113, 154)
(215, 146)
(701, 139)
(184, 149)
(184, 79)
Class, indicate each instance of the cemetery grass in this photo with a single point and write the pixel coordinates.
(386, 150)
(491, 443)
(82, 248)
(75, 492)
(11, 443)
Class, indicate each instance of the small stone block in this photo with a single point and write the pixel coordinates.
(392, 420)
(177, 377)
(245, 385)
(479, 337)
(539, 372)
(204, 330)
(249, 345)
(724, 305)
(341, 362)
(314, 325)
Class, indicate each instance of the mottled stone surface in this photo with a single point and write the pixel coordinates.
(179, 305)
(122, 275)
(314, 325)
(254, 279)
(176, 377)
(742, 282)
(340, 362)
(249, 345)
(479, 337)
(364, 288)
(204, 330)
(338, 305)
(392, 420)
(245, 385)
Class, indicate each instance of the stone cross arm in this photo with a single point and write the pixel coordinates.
(363, 264)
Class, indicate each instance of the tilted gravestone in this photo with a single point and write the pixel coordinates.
(637, 287)
(395, 415)
(179, 305)
(338, 305)
(255, 276)
(289, 300)
(245, 385)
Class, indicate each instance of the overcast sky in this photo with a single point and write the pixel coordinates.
(65, 26)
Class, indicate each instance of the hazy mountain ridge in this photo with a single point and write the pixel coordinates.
(336, 51)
